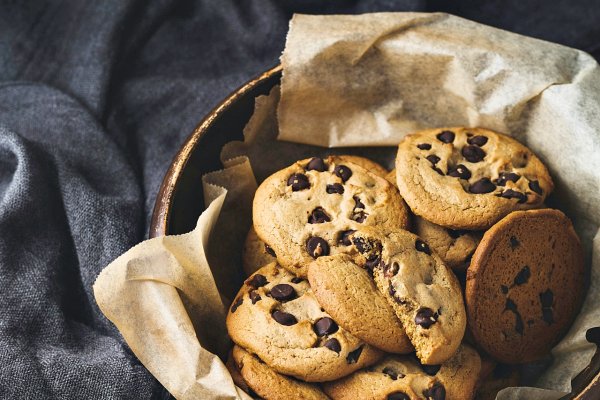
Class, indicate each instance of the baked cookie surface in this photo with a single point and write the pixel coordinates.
(525, 285)
(347, 292)
(256, 253)
(398, 377)
(270, 385)
(468, 178)
(424, 293)
(454, 247)
(276, 316)
(304, 211)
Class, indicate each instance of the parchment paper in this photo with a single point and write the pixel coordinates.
(363, 80)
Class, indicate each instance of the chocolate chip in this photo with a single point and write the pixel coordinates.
(353, 356)
(422, 247)
(535, 186)
(456, 233)
(373, 262)
(436, 169)
(523, 276)
(357, 202)
(510, 305)
(284, 318)
(297, 279)
(392, 291)
(548, 316)
(391, 270)
(283, 292)
(318, 216)
(432, 158)
(389, 371)
(507, 176)
(325, 326)
(257, 281)
(298, 182)
(254, 296)
(317, 247)
(477, 140)
(269, 250)
(345, 237)
(343, 172)
(484, 185)
(445, 136)
(238, 302)
(504, 289)
(337, 188)
(430, 369)
(436, 392)
(473, 153)
(513, 194)
(316, 164)
(425, 317)
(424, 146)
(460, 171)
(333, 344)
(398, 396)
(547, 298)
(514, 243)
(359, 217)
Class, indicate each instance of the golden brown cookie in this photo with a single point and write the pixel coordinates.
(350, 296)
(455, 247)
(303, 211)
(468, 178)
(256, 253)
(403, 378)
(424, 293)
(270, 385)
(525, 285)
(276, 316)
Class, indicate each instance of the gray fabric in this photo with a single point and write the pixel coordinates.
(95, 99)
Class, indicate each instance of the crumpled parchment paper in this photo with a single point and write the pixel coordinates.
(364, 81)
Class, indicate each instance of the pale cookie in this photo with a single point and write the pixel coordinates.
(525, 285)
(455, 247)
(349, 295)
(276, 316)
(468, 178)
(256, 253)
(304, 211)
(270, 385)
(424, 293)
(404, 378)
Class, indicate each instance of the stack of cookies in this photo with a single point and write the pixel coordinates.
(352, 289)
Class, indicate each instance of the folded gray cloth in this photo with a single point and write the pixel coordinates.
(95, 99)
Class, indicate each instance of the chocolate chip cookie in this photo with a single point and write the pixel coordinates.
(455, 247)
(525, 285)
(468, 178)
(365, 163)
(276, 316)
(424, 293)
(404, 378)
(270, 385)
(349, 295)
(256, 253)
(305, 211)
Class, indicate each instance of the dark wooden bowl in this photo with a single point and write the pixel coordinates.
(180, 200)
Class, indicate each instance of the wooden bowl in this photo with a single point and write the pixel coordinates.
(180, 200)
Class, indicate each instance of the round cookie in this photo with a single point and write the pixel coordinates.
(455, 247)
(403, 378)
(468, 178)
(304, 211)
(350, 296)
(525, 285)
(424, 293)
(270, 385)
(276, 316)
(256, 253)
(236, 376)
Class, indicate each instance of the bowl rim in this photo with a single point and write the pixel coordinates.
(164, 198)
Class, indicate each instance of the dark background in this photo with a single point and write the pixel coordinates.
(95, 99)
